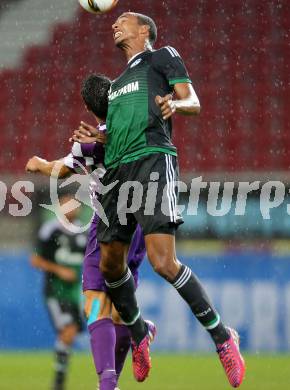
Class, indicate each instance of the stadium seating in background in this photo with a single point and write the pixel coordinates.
(237, 54)
(5, 3)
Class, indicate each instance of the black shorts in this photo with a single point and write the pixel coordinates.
(64, 313)
(145, 192)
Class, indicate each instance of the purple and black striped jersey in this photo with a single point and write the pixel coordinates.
(88, 157)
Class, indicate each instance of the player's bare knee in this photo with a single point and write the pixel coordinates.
(112, 266)
(165, 266)
(97, 305)
(68, 334)
(162, 270)
(108, 269)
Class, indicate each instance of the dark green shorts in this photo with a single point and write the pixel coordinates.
(64, 313)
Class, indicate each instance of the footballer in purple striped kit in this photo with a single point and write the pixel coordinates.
(110, 338)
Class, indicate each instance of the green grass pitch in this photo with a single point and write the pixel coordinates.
(30, 371)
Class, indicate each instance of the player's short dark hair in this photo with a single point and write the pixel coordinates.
(147, 21)
(94, 92)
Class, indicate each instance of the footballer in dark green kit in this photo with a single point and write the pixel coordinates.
(142, 187)
(133, 115)
(59, 254)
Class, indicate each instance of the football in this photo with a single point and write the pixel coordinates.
(98, 6)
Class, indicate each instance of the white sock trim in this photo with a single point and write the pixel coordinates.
(119, 283)
(134, 320)
(183, 279)
(215, 324)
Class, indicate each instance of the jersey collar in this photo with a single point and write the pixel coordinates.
(136, 55)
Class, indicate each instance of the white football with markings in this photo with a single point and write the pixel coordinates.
(98, 6)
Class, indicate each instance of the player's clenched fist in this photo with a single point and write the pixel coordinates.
(33, 164)
(167, 105)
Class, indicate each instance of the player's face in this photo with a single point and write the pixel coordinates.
(125, 28)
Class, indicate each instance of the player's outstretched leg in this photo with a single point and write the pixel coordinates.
(191, 290)
(226, 340)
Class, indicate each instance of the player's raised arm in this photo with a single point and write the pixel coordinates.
(55, 168)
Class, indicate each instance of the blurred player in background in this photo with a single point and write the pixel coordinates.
(139, 149)
(110, 338)
(59, 254)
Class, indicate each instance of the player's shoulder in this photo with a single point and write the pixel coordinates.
(166, 52)
(48, 228)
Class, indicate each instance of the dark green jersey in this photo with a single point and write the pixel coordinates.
(59, 246)
(135, 126)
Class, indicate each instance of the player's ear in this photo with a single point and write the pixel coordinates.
(144, 30)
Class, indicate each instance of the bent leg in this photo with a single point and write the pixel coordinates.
(102, 337)
(121, 287)
(161, 254)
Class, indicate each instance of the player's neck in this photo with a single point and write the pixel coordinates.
(100, 121)
(133, 50)
(130, 53)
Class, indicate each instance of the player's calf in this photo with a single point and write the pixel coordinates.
(102, 337)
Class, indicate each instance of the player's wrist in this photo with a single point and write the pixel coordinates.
(175, 105)
(40, 163)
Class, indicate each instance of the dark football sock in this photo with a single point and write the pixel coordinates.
(62, 354)
(122, 293)
(123, 343)
(191, 290)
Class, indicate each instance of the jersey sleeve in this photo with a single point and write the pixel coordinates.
(84, 155)
(168, 62)
(76, 159)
